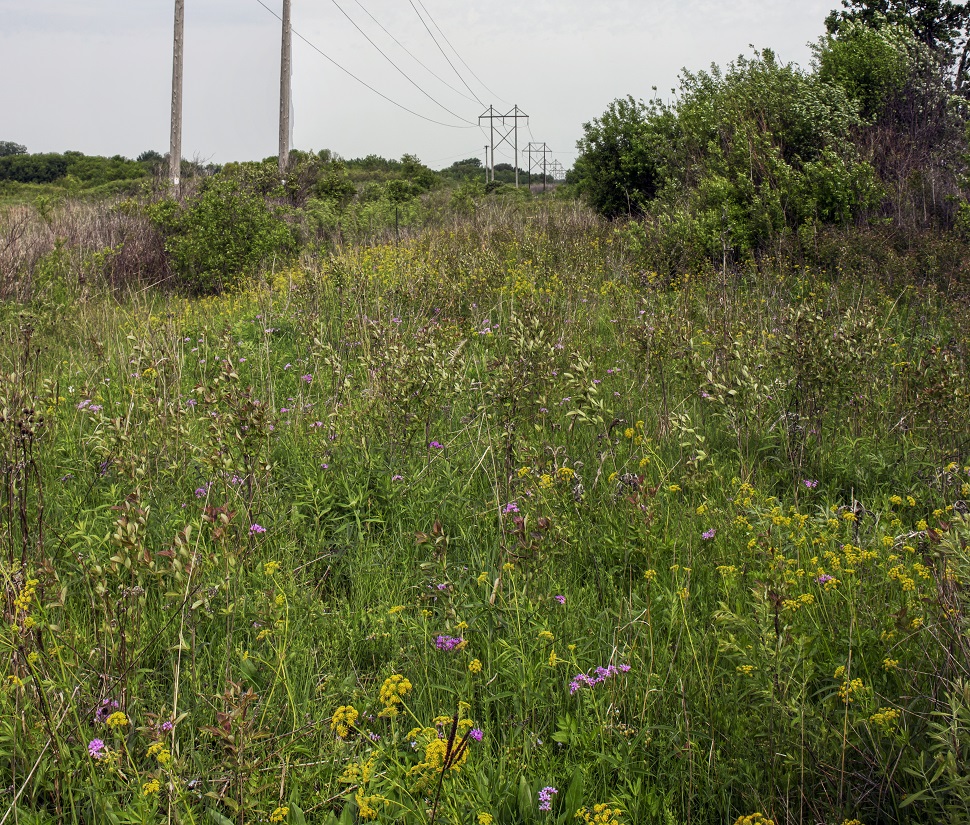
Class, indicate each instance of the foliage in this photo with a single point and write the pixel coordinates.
(225, 232)
(745, 156)
(675, 549)
(8, 148)
(621, 163)
(937, 23)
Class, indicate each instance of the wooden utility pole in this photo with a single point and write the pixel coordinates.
(286, 73)
(175, 147)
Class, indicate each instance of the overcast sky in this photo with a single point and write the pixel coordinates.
(96, 75)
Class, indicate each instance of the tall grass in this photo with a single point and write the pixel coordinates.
(493, 524)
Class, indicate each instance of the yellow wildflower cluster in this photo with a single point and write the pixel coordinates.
(367, 805)
(649, 575)
(545, 481)
(279, 814)
(849, 688)
(475, 666)
(754, 819)
(343, 720)
(21, 604)
(805, 600)
(565, 474)
(271, 568)
(601, 814)
(394, 689)
(546, 636)
(117, 720)
(485, 819)
(358, 773)
(885, 718)
(746, 670)
(151, 787)
(890, 664)
(162, 754)
(898, 573)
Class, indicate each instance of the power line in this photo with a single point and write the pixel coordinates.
(412, 55)
(443, 53)
(458, 55)
(362, 82)
(398, 68)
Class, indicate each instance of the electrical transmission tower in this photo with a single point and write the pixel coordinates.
(557, 171)
(175, 147)
(505, 132)
(286, 73)
(542, 152)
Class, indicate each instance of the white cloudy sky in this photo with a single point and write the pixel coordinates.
(96, 76)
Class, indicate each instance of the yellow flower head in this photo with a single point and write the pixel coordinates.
(116, 720)
(485, 819)
(343, 720)
(152, 787)
(475, 666)
(279, 814)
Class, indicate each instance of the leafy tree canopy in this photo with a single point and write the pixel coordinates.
(8, 148)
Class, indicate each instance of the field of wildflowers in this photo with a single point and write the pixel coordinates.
(489, 526)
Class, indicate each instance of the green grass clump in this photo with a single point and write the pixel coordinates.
(488, 526)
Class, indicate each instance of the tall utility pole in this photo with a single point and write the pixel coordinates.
(491, 114)
(286, 72)
(542, 151)
(175, 147)
(505, 132)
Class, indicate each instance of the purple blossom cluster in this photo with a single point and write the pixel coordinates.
(601, 674)
(545, 798)
(448, 642)
(96, 748)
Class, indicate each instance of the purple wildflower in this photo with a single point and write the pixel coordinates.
(308, 378)
(255, 529)
(825, 578)
(581, 680)
(167, 726)
(811, 483)
(397, 478)
(545, 797)
(448, 643)
(436, 445)
(96, 749)
(709, 534)
(476, 734)
(561, 599)
(511, 507)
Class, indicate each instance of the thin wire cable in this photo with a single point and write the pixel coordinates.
(412, 55)
(458, 55)
(443, 53)
(362, 82)
(398, 68)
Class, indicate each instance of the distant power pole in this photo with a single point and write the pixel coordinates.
(542, 151)
(286, 73)
(505, 132)
(486, 164)
(175, 147)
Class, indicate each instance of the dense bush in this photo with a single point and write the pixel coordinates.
(225, 232)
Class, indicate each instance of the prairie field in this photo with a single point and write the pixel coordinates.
(489, 524)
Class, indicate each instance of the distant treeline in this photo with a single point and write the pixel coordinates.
(87, 170)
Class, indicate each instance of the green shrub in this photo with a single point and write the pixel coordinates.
(223, 234)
